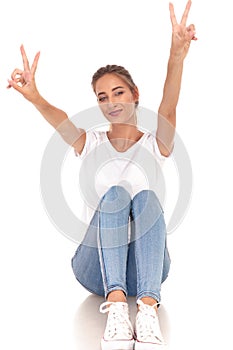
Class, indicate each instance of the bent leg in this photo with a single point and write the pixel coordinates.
(148, 256)
(85, 263)
(114, 211)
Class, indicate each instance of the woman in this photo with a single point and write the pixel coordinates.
(111, 261)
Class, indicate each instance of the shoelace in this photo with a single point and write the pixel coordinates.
(148, 328)
(118, 324)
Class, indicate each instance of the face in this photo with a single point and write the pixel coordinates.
(116, 100)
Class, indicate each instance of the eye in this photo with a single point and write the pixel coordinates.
(102, 99)
(118, 93)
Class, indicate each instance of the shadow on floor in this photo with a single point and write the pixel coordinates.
(89, 323)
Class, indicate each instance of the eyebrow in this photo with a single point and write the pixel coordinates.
(117, 87)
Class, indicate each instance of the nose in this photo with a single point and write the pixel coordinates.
(112, 100)
(112, 103)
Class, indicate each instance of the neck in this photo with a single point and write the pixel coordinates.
(121, 130)
(123, 136)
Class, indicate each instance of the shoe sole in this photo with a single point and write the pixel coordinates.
(117, 345)
(149, 346)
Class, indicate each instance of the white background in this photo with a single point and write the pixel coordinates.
(40, 298)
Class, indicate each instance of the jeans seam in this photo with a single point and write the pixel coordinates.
(101, 257)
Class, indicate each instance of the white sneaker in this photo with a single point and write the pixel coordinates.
(119, 331)
(147, 329)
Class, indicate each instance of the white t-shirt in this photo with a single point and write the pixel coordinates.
(103, 166)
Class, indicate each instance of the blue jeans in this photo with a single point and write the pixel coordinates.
(112, 257)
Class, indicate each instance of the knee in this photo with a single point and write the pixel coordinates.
(145, 194)
(117, 197)
(147, 198)
(116, 192)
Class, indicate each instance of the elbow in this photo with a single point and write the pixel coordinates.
(168, 113)
(165, 152)
(165, 148)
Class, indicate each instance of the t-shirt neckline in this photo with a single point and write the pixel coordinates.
(129, 149)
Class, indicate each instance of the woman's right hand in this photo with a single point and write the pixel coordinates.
(24, 80)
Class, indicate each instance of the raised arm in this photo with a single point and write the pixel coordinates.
(23, 81)
(181, 39)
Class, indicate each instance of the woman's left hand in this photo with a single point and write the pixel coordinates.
(181, 34)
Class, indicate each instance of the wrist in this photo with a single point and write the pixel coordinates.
(177, 56)
(37, 100)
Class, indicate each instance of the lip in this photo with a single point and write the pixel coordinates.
(115, 113)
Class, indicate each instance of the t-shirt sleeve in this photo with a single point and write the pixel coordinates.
(91, 140)
(156, 150)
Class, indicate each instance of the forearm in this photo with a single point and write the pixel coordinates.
(167, 109)
(171, 90)
(58, 119)
(52, 115)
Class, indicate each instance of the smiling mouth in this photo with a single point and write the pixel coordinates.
(115, 113)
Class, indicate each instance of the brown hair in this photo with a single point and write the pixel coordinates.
(120, 71)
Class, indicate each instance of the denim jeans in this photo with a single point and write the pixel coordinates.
(125, 246)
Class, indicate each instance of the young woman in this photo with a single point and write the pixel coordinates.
(114, 261)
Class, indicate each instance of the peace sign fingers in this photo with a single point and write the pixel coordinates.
(181, 34)
(34, 64)
(24, 80)
(26, 63)
(25, 59)
(172, 14)
(184, 17)
(185, 14)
